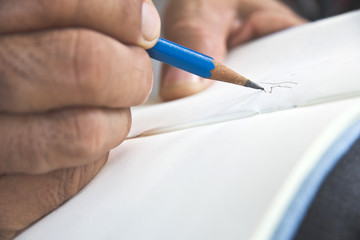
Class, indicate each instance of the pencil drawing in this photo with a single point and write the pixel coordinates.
(289, 85)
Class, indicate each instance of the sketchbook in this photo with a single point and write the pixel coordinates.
(230, 162)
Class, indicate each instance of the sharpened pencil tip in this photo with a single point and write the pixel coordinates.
(251, 84)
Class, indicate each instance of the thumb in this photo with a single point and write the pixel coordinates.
(195, 30)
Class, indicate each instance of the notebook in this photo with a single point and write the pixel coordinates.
(230, 162)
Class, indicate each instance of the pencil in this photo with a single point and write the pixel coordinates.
(197, 63)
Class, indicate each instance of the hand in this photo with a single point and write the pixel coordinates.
(69, 71)
(212, 27)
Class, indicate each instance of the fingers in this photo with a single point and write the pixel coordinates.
(40, 143)
(26, 198)
(195, 28)
(77, 67)
(130, 21)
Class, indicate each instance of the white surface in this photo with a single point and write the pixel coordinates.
(322, 58)
(210, 182)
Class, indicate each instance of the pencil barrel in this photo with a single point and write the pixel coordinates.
(181, 57)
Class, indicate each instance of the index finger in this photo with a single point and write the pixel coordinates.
(130, 21)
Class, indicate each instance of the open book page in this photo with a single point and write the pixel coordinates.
(209, 182)
(309, 64)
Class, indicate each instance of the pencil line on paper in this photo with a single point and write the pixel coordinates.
(278, 85)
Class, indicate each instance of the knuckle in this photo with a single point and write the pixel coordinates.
(70, 181)
(66, 184)
(88, 56)
(84, 135)
(87, 51)
(11, 69)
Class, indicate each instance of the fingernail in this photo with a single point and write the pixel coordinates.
(150, 24)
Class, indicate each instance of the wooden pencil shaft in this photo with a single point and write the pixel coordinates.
(225, 74)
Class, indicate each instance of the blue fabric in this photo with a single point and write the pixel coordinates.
(302, 200)
(335, 211)
(182, 57)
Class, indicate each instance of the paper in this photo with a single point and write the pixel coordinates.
(210, 182)
(319, 61)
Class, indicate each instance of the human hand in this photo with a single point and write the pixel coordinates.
(212, 27)
(69, 71)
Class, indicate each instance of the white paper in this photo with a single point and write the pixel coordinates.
(210, 182)
(314, 63)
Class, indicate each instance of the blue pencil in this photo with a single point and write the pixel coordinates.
(196, 63)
